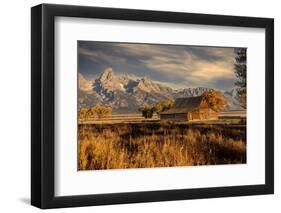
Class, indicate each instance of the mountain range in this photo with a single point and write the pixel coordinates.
(126, 95)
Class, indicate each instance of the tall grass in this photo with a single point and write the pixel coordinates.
(145, 146)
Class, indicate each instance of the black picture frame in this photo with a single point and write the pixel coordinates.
(43, 102)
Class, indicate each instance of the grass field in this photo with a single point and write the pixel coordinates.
(155, 144)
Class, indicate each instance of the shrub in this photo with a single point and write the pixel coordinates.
(95, 112)
(147, 111)
(243, 121)
(101, 111)
(83, 113)
(163, 105)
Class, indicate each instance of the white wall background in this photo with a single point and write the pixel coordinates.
(15, 105)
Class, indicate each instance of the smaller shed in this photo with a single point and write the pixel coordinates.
(190, 108)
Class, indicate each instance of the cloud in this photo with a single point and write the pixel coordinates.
(84, 84)
(101, 57)
(191, 66)
(173, 64)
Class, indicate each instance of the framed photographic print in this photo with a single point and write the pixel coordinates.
(139, 106)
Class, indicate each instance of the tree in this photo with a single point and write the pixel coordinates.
(147, 111)
(101, 111)
(215, 100)
(163, 105)
(240, 67)
(83, 113)
(91, 113)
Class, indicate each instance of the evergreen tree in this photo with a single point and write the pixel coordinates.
(241, 74)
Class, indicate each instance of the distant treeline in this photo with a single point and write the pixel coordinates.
(96, 112)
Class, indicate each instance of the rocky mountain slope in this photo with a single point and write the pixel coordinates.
(127, 95)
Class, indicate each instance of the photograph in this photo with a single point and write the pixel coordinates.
(160, 105)
(140, 105)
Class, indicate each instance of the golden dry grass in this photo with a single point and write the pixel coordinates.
(145, 146)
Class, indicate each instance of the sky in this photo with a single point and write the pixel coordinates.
(177, 66)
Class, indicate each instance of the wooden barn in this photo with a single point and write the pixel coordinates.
(187, 109)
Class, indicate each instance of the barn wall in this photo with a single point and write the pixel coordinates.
(177, 116)
(201, 114)
(166, 116)
(208, 114)
(196, 115)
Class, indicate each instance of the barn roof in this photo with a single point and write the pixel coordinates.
(184, 105)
